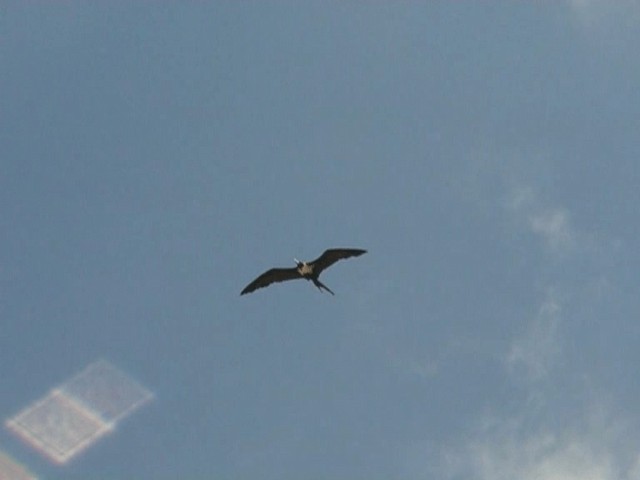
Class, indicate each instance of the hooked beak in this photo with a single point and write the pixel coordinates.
(297, 261)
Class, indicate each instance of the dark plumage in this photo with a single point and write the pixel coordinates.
(307, 270)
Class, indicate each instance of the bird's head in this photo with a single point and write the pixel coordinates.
(298, 262)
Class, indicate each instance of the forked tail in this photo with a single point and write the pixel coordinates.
(321, 285)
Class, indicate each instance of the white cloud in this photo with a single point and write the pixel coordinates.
(603, 7)
(634, 471)
(597, 448)
(543, 456)
(547, 422)
(591, 13)
(535, 351)
(553, 226)
(520, 198)
(550, 224)
(413, 365)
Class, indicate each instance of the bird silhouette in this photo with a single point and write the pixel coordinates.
(307, 270)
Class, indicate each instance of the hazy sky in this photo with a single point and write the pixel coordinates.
(156, 157)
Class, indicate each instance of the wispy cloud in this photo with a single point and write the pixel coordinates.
(560, 429)
(543, 456)
(549, 223)
(535, 351)
(634, 471)
(553, 226)
(594, 12)
(599, 447)
(413, 365)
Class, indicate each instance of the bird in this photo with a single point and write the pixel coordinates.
(307, 270)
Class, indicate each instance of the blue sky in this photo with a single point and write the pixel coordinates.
(156, 158)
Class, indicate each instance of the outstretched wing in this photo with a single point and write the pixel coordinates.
(271, 276)
(331, 256)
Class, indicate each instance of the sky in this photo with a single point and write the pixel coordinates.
(156, 157)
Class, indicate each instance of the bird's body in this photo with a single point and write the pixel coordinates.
(307, 270)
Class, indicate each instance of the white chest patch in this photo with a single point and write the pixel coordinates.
(305, 269)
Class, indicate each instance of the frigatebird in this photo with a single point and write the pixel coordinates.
(307, 270)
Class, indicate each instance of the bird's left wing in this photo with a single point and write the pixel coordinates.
(331, 256)
(271, 276)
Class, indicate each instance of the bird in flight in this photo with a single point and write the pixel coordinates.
(307, 270)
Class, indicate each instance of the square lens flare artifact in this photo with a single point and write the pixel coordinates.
(74, 415)
(12, 470)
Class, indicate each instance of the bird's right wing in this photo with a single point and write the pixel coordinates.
(271, 276)
(331, 256)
